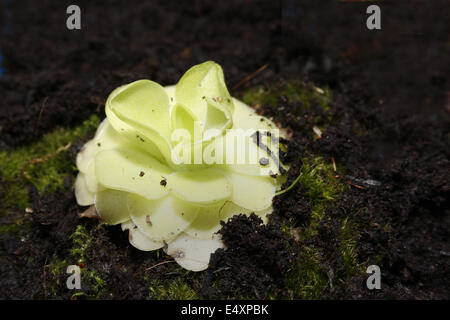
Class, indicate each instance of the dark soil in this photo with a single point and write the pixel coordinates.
(390, 111)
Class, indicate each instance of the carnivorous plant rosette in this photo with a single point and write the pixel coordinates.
(169, 163)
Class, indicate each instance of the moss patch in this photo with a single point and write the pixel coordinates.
(92, 284)
(295, 104)
(54, 276)
(348, 237)
(176, 289)
(296, 91)
(18, 226)
(81, 241)
(306, 278)
(45, 164)
(302, 106)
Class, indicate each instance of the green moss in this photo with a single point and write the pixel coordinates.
(92, 285)
(54, 276)
(309, 100)
(44, 164)
(306, 277)
(15, 195)
(348, 237)
(19, 226)
(317, 177)
(91, 279)
(57, 267)
(81, 239)
(170, 290)
(295, 91)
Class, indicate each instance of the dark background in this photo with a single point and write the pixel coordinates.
(405, 64)
(394, 82)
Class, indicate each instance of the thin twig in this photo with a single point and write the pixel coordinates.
(40, 114)
(159, 264)
(44, 277)
(221, 269)
(346, 180)
(45, 158)
(250, 76)
(349, 182)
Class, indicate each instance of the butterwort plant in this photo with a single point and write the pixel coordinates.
(169, 163)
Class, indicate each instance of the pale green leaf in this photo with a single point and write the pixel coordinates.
(161, 219)
(131, 171)
(111, 206)
(205, 187)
